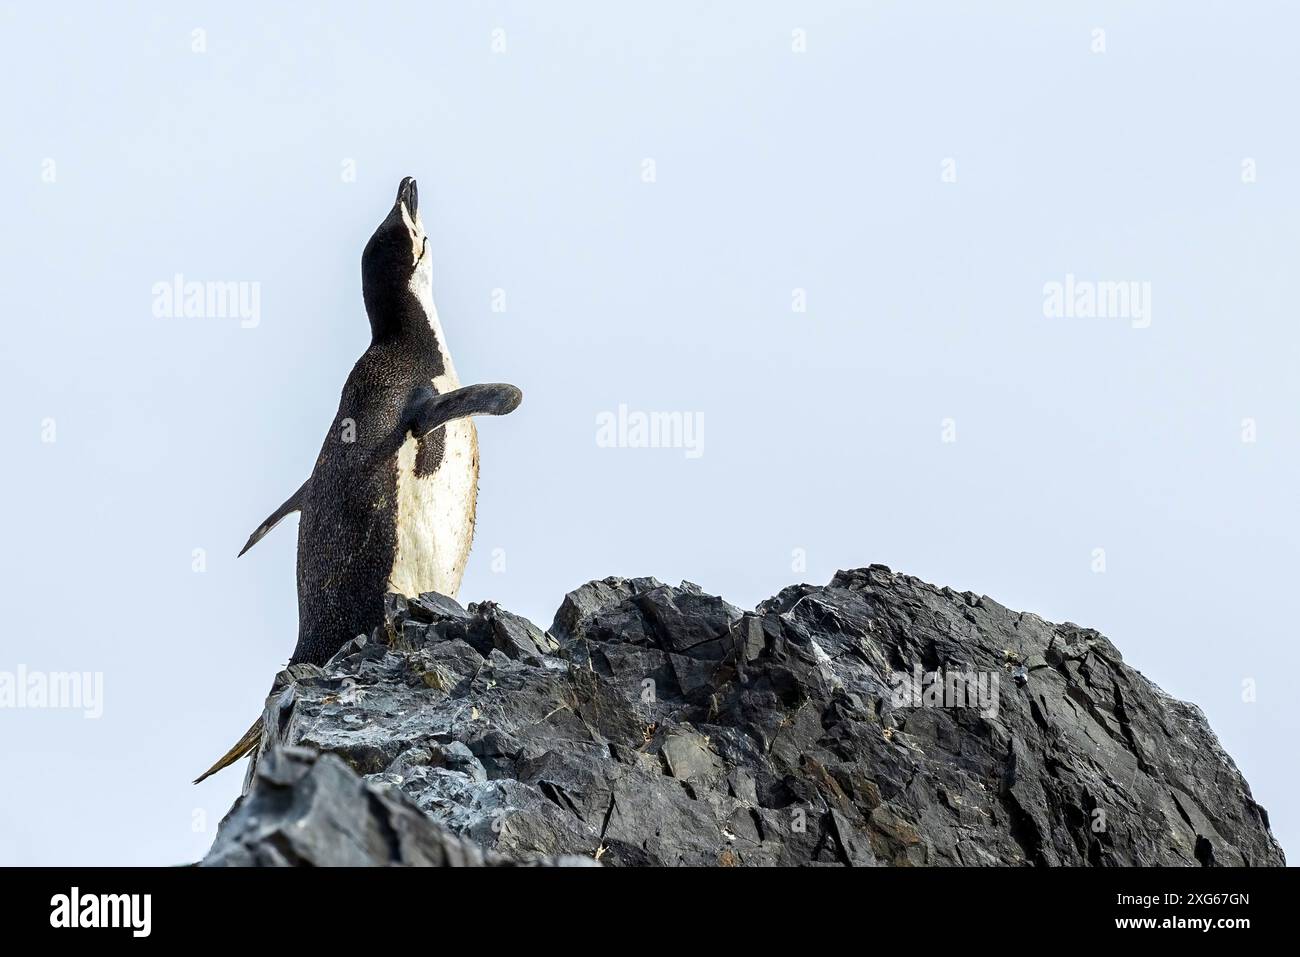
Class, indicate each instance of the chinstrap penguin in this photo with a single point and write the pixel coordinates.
(390, 504)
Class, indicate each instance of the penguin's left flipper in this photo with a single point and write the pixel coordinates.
(426, 410)
(293, 504)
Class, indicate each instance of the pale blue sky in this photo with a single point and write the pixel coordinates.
(775, 170)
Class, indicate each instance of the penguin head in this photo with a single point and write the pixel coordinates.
(396, 267)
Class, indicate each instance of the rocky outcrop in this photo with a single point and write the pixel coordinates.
(876, 720)
(310, 809)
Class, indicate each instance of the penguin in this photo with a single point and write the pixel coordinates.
(390, 504)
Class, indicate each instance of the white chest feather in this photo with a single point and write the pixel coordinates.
(435, 512)
(435, 515)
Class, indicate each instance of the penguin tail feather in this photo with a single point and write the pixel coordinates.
(244, 746)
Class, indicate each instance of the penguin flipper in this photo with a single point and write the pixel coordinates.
(245, 745)
(426, 411)
(291, 505)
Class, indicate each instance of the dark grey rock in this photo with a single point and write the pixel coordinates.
(661, 725)
(306, 810)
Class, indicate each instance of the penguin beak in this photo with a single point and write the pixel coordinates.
(409, 196)
(408, 205)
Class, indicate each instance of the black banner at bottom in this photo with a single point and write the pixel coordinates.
(213, 905)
